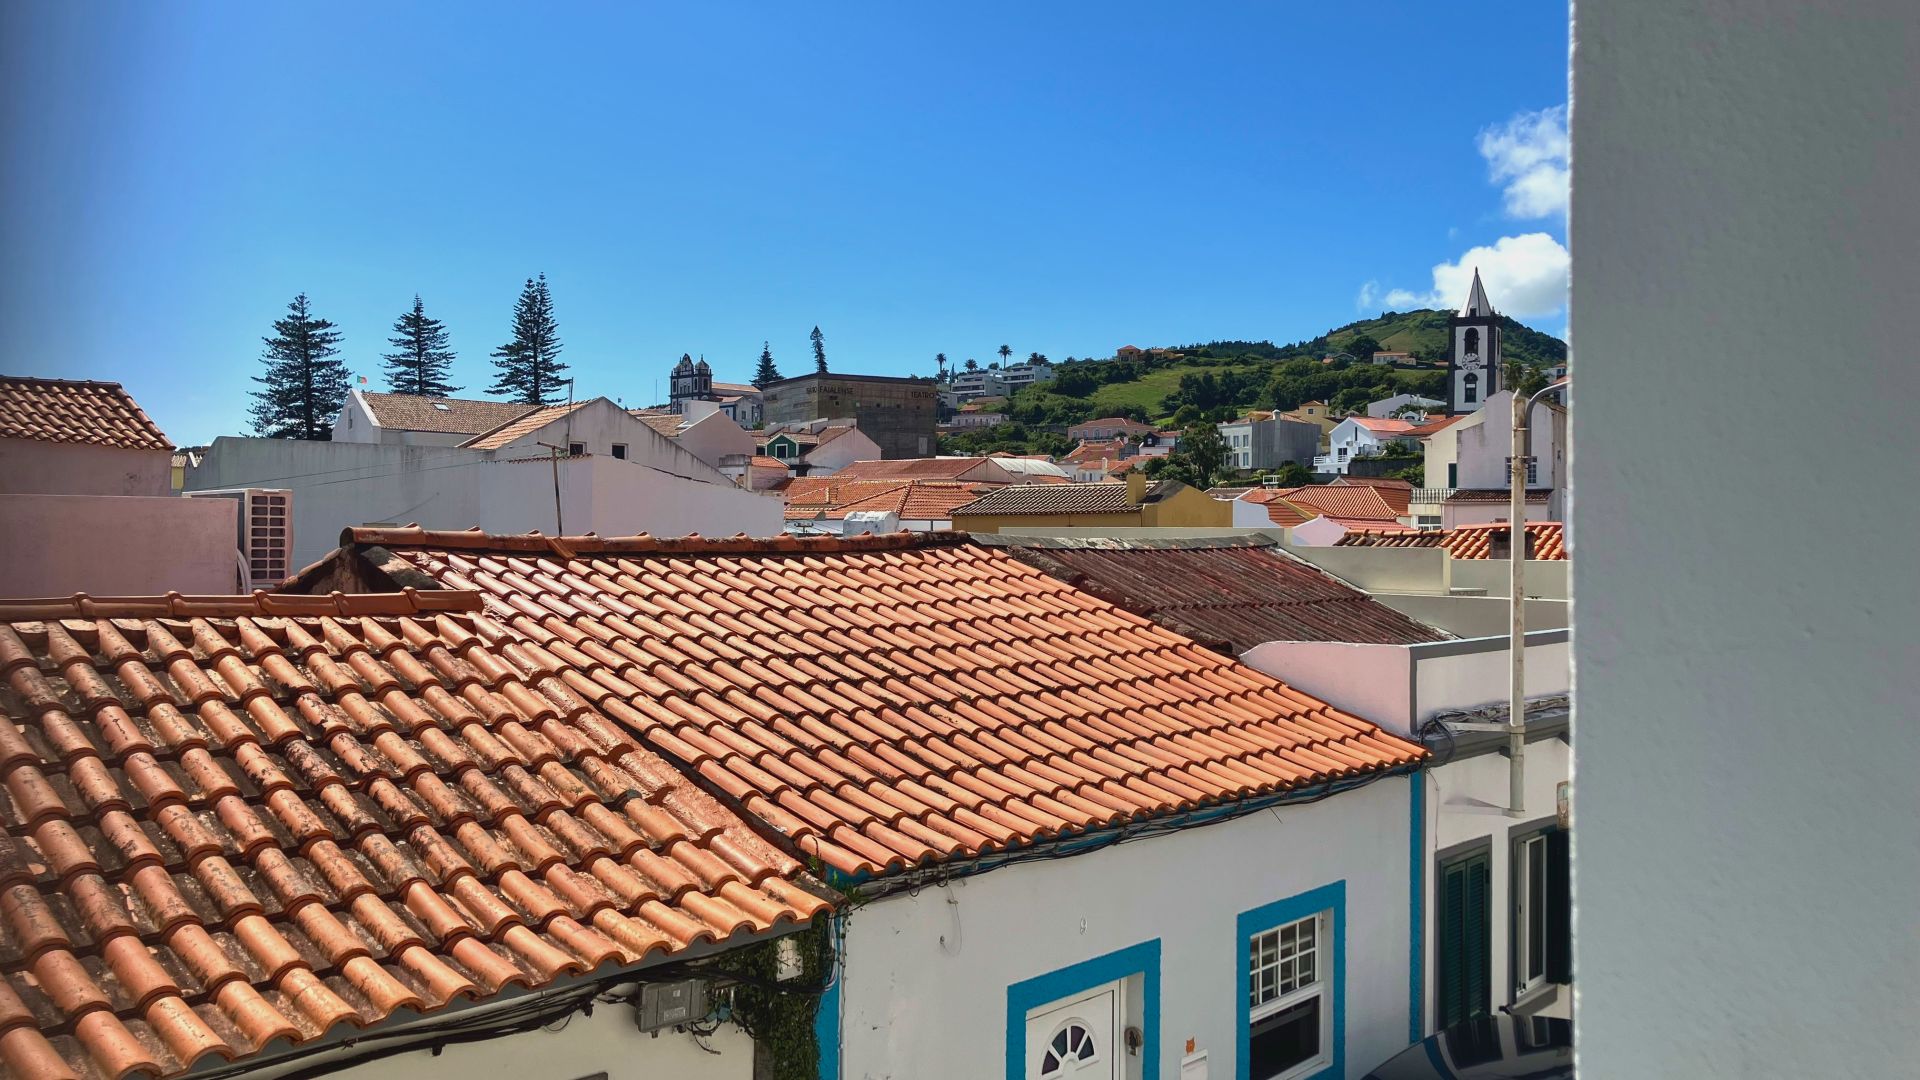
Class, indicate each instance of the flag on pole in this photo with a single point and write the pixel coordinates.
(363, 380)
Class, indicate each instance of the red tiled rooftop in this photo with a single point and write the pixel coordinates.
(523, 425)
(233, 821)
(762, 461)
(935, 468)
(1292, 506)
(75, 411)
(887, 701)
(1467, 541)
(1234, 592)
(911, 499)
(1397, 493)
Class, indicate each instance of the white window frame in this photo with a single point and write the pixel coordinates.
(1321, 987)
(620, 451)
(1523, 914)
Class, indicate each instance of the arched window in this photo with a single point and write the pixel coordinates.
(1071, 1049)
(1473, 342)
(1470, 387)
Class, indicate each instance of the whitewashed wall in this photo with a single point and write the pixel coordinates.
(337, 485)
(925, 988)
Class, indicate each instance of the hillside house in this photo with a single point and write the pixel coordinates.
(1266, 440)
(1363, 436)
(1409, 407)
(1109, 427)
(1016, 780)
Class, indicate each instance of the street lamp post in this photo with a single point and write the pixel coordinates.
(1517, 599)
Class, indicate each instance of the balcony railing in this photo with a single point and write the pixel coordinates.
(1433, 495)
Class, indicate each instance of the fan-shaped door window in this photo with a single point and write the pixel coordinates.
(1071, 1050)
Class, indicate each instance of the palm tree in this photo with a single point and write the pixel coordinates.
(940, 365)
(1005, 351)
(1036, 358)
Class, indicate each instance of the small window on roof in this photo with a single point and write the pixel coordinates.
(620, 450)
(443, 406)
(576, 449)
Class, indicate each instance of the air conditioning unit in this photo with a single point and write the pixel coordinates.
(264, 537)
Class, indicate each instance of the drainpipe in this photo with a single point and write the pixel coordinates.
(1517, 602)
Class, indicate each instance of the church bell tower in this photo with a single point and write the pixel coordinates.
(1473, 355)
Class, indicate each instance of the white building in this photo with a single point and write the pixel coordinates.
(706, 430)
(817, 447)
(967, 385)
(1403, 407)
(589, 467)
(1362, 436)
(1492, 885)
(1015, 376)
(1471, 457)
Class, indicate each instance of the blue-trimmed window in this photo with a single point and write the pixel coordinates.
(1141, 961)
(1292, 987)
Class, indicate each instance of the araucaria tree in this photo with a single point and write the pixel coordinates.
(420, 358)
(530, 367)
(819, 351)
(766, 374)
(304, 387)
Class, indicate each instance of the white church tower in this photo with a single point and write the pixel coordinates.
(1473, 359)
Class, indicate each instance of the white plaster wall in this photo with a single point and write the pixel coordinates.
(1478, 679)
(1365, 680)
(1744, 183)
(130, 545)
(1546, 578)
(1475, 616)
(1377, 570)
(714, 437)
(915, 1008)
(598, 425)
(337, 485)
(1319, 532)
(36, 467)
(1466, 801)
(1484, 447)
(842, 451)
(605, 1042)
(1454, 515)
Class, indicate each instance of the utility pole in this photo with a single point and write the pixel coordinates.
(1517, 599)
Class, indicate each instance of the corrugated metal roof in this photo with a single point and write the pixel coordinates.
(1235, 592)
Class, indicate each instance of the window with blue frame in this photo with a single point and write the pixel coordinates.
(1292, 971)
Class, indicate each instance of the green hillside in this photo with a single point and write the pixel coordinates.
(1221, 379)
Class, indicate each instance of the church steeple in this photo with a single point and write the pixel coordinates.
(1473, 355)
(1476, 299)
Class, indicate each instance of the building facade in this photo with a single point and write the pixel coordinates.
(1265, 440)
(899, 415)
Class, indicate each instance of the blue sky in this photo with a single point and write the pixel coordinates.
(699, 178)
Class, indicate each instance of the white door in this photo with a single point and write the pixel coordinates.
(1076, 1038)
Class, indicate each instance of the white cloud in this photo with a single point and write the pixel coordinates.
(1525, 276)
(1529, 155)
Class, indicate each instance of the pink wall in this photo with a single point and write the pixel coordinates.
(57, 545)
(32, 467)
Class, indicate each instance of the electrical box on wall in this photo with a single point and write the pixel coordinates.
(664, 1005)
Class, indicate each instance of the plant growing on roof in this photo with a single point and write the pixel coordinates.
(819, 351)
(766, 373)
(421, 357)
(304, 388)
(529, 365)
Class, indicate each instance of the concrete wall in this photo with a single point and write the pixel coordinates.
(57, 545)
(714, 438)
(1475, 616)
(1758, 693)
(1544, 578)
(35, 467)
(337, 485)
(606, 1042)
(1383, 570)
(925, 988)
(1455, 514)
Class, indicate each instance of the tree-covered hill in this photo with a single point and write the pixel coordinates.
(1217, 380)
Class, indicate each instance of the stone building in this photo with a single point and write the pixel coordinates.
(897, 414)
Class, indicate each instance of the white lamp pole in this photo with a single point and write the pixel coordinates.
(1517, 599)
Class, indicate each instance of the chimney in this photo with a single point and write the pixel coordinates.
(1136, 487)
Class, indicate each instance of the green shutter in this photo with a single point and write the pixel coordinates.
(1463, 973)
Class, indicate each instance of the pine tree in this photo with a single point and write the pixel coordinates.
(304, 388)
(819, 351)
(420, 358)
(530, 366)
(766, 374)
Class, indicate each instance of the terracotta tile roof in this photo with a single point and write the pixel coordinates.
(1467, 541)
(1291, 506)
(935, 468)
(1234, 592)
(1476, 541)
(762, 461)
(227, 825)
(1382, 425)
(454, 416)
(523, 425)
(1093, 450)
(913, 500)
(891, 700)
(666, 424)
(1062, 499)
(75, 411)
(1432, 425)
(1397, 493)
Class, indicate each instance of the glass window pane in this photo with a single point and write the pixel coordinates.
(1285, 1039)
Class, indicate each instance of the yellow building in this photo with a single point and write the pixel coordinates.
(1316, 413)
(1137, 504)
